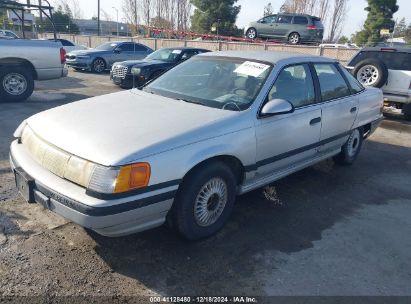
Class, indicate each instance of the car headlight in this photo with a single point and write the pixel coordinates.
(120, 179)
(136, 71)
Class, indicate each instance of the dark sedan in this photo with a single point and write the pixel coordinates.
(135, 73)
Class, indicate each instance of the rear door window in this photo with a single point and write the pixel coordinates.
(284, 19)
(300, 20)
(332, 83)
(392, 60)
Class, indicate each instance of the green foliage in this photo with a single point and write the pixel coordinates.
(63, 21)
(380, 13)
(343, 40)
(221, 13)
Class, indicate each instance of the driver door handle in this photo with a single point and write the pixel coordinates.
(315, 121)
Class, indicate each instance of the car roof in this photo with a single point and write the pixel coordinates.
(382, 48)
(183, 48)
(293, 14)
(272, 57)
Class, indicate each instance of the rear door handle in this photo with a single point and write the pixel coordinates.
(353, 110)
(315, 121)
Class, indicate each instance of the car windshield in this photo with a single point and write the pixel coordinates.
(165, 55)
(218, 82)
(109, 46)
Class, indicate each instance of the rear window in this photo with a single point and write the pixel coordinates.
(393, 60)
(317, 22)
(300, 20)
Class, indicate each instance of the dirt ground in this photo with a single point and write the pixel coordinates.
(342, 231)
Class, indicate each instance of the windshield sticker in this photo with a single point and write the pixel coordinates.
(177, 52)
(250, 68)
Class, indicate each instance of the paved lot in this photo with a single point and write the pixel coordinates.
(342, 231)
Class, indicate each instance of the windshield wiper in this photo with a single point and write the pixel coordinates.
(191, 101)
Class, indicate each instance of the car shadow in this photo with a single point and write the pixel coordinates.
(314, 199)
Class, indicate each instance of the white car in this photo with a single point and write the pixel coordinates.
(216, 126)
(388, 68)
(70, 46)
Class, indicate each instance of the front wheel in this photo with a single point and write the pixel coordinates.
(294, 38)
(98, 65)
(351, 149)
(251, 33)
(205, 201)
(16, 84)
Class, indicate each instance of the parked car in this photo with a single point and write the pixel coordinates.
(294, 28)
(214, 127)
(23, 61)
(339, 46)
(102, 57)
(8, 34)
(387, 68)
(135, 73)
(70, 46)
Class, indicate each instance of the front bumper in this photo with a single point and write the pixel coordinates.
(113, 217)
(79, 64)
(128, 81)
(397, 98)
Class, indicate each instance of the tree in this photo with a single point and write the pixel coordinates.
(209, 12)
(380, 13)
(268, 9)
(400, 28)
(337, 19)
(343, 40)
(63, 21)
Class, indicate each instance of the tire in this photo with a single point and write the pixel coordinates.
(98, 65)
(16, 84)
(407, 111)
(209, 189)
(294, 38)
(251, 33)
(351, 149)
(371, 72)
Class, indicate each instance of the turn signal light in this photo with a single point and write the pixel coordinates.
(132, 177)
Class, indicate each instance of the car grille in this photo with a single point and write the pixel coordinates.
(120, 71)
(57, 161)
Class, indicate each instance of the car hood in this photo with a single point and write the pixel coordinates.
(123, 127)
(144, 63)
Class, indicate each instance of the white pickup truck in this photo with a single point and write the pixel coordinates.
(23, 61)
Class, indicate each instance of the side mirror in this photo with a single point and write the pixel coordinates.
(277, 107)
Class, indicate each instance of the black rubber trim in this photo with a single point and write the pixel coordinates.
(103, 211)
(108, 196)
(279, 157)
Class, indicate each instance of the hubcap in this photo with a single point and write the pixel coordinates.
(294, 39)
(251, 34)
(14, 84)
(354, 143)
(99, 66)
(210, 202)
(368, 75)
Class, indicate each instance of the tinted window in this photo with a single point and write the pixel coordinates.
(189, 53)
(300, 20)
(317, 22)
(284, 19)
(332, 83)
(294, 84)
(355, 85)
(393, 60)
(131, 47)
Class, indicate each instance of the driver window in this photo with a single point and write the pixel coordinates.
(295, 84)
(269, 19)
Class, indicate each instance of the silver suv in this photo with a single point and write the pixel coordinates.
(389, 69)
(294, 28)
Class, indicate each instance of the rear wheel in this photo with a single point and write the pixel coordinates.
(351, 149)
(205, 201)
(294, 38)
(16, 84)
(407, 111)
(98, 65)
(251, 33)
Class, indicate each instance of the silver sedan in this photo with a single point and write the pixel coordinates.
(182, 149)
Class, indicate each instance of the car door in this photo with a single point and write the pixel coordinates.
(124, 51)
(287, 140)
(282, 26)
(266, 26)
(339, 106)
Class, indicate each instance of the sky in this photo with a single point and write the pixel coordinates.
(252, 10)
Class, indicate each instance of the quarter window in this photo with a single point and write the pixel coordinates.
(355, 85)
(332, 83)
(300, 20)
(294, 84)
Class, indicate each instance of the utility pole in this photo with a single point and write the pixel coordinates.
(98, 17)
